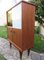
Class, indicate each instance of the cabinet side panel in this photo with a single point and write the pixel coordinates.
(28, 18)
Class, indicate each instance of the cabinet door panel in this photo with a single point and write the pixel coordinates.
(17, 37)
(10, 34)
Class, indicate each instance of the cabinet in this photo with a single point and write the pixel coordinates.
(20, 21)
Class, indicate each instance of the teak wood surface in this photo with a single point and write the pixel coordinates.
(23, 38)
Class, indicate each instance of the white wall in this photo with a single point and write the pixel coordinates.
(2, 18)
(23, 0)
(42, 30)
(37, 23)
(4, 6)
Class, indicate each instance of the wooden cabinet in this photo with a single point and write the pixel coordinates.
(21, 28)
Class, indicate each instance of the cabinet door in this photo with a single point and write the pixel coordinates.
(10, 34)
(17, 37)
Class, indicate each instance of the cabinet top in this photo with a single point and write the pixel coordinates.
(21, 2)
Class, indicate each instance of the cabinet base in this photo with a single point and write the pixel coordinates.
(28, 51)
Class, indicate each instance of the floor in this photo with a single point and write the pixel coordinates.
(13, 53)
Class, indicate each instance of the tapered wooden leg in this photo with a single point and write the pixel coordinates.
(28, 52)
(20, 55)
(10, 45)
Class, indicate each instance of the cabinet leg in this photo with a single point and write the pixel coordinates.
(10, 45)
(28, 52)
(20, 55)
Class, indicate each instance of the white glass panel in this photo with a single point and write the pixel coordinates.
(10, 18)
(17, 17)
